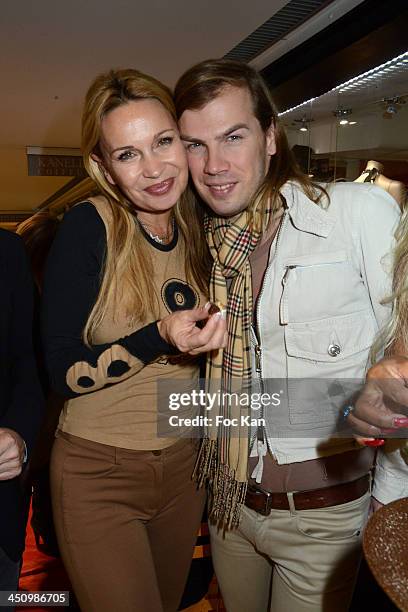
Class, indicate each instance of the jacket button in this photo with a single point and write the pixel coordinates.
(334, 350)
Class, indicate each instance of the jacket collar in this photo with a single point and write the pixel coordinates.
(305, 214)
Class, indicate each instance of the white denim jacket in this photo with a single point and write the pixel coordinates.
(319, 310)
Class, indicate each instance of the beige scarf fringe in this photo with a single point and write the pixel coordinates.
(223, 458)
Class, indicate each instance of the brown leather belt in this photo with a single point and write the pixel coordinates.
(264, 501)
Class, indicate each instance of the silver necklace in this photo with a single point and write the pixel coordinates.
(159, 239)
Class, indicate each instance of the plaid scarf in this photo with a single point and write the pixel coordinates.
(223, 458)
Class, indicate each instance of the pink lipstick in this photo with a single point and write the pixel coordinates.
(160, 189)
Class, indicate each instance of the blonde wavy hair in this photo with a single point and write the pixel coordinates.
(394, 337)
(127, 265)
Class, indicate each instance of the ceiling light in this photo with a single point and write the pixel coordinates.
(303, 123)
(342, 113)
(352, 122)
(289, 110)
(392, 105)
(356, 81)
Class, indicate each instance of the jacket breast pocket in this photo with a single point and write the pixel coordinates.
(321, 285)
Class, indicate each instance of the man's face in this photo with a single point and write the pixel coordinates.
(228, 153)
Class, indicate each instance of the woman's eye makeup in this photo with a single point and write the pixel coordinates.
(125, 155)
(165, 141)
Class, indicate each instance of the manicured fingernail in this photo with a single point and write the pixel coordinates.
(375, 442)
(400, 422)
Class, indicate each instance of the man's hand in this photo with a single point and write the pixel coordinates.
(12, 451)
(180, 329)
(387, 383)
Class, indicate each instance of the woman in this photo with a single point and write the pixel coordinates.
(380, 410)
(122, 294)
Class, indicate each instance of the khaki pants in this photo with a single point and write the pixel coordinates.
(291, 561)
(126, 522)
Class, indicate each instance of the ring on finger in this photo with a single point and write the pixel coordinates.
(347, 410)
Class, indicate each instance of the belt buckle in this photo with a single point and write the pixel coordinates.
(268, 503)
(266, 510)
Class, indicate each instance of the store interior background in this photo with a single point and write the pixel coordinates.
(365, 118)
(307, 50)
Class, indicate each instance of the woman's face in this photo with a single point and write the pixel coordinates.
(143, 156)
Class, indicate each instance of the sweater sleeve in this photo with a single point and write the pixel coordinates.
(72, 281)
(25, 409)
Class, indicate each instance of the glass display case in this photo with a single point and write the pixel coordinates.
(358, 130)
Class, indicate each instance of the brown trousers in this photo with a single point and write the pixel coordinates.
(126, 522)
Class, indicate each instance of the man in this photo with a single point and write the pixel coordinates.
(20, 402)
(313, 266)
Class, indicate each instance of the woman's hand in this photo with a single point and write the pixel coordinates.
(375, 505)
(180, 329)
(387, 382)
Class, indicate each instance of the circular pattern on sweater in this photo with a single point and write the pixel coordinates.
(178, 295)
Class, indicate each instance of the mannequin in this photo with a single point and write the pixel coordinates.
(373, 174)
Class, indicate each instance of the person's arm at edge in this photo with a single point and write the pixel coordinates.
(25, 411)
(379, 223)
